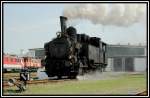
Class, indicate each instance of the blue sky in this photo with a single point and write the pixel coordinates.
(29, 26)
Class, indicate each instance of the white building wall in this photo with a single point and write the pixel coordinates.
(140, 64)
(110, 64)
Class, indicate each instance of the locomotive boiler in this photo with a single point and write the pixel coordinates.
(70, 54)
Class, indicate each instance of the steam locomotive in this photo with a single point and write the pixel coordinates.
(70, 54)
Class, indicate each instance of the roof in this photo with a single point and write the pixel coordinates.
(126, 50)
(37, 49)
(130, 46)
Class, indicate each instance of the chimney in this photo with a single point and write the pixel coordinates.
(63, 24)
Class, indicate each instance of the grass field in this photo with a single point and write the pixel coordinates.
(125, 84)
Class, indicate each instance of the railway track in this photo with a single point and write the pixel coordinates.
(5, 83)
(17, 75)
(33, 76)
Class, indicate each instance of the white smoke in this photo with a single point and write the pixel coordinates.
(108, 14)
(101, 75)
(94, 76)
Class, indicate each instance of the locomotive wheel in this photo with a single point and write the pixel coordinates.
(72, 77)
(59, 76)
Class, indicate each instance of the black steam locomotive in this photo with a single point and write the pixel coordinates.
(70, 54)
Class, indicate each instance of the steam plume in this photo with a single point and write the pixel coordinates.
(108, 14)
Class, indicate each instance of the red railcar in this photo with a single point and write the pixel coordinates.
(14, 62)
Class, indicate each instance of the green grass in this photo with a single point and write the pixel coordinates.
(125, 84)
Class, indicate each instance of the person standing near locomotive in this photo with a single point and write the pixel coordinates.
(24, 76)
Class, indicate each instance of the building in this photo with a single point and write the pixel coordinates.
(120, 57)
(126, 58)
(36, 53)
